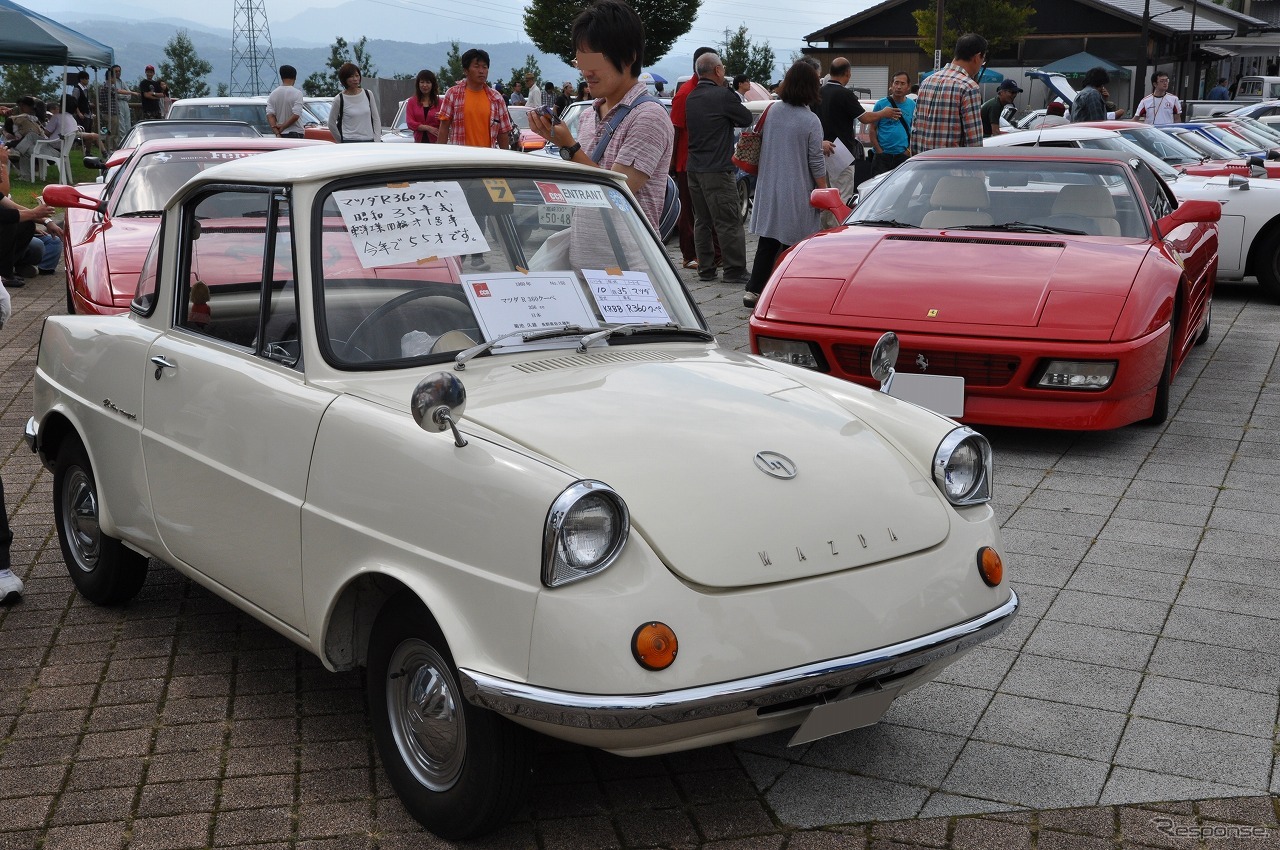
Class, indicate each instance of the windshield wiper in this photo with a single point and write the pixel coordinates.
(628, 330)
(589, 336)
(884, 222)
(140, 214)
(1021, 227)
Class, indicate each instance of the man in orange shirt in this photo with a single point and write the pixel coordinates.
(472, 112)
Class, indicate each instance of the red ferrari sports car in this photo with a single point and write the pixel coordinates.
(1033, 287)
(105, 247)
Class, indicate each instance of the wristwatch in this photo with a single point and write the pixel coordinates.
(571, 151)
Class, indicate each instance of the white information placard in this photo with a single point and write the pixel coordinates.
(527, 301)
(409, 222)
(625, 298)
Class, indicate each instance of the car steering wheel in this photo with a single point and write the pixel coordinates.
(371, 321)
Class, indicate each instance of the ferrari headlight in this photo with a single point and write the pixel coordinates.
(962, 467)
(1077, 375)
(586, 529)
(791, 351)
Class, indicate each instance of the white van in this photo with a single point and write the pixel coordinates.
(1253, 89)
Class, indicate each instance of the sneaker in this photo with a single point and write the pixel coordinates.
(737, 278)
(750, 299)
(10, 586)
(26, 270)
(48, 271)
(707, 277)
(13, 282)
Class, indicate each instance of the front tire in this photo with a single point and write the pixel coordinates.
(1160, 410)
(1203, 337)
(1268, 268)
(103, 569)
(460, 770)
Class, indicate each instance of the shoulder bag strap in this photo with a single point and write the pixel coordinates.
(618, 114)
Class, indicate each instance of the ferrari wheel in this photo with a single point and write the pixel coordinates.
(71, 301)
(1203, 336)
(103, 569)
(460, 770)
(744, 199)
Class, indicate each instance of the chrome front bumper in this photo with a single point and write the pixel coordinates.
(764, 692)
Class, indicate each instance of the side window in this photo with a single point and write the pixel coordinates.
(237, 283)
(144, 299)
(1153, 192)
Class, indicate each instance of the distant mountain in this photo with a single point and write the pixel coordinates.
(140, 42)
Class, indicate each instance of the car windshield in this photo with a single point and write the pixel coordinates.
(152, 182)
(1207, 146)
(1230, 140)
(145, 131)
(1261, 128)
(1033, 196)
(1122, 145)
(1163, 145)
(519, 116)
(426, 268)
(573, 115)
(1261, 141)
(320, 108)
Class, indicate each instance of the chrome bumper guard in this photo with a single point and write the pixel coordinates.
(591, 711)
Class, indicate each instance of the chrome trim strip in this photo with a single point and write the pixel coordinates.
(592, 711)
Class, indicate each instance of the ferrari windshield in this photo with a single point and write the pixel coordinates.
(1083, 197)
(1169, 148)
(150, 184)
(420, 270)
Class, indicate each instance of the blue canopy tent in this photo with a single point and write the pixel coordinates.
(1078, 64)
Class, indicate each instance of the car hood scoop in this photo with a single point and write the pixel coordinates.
(701, 449)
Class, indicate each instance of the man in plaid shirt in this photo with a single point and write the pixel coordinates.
(949, 107)
(471, 112)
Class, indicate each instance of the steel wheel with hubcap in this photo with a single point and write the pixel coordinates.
(460, 770)
(103, 569)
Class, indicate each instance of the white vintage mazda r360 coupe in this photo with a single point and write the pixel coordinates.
(451, 415)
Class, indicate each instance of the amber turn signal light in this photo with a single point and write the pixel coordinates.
(654, 646)
(990, 567)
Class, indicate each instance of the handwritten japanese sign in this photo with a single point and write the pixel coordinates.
(625, 298)
(390, 225)
(530, 301)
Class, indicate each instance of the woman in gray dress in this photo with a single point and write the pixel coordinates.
(791, 165)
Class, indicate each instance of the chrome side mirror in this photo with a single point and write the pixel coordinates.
(1238, 181)
(883, 356)
(438, 399)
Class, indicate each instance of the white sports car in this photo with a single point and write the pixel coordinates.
(1249, 231)
(449, 414)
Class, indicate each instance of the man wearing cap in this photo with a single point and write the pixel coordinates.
(1005, 93)
(150, 94)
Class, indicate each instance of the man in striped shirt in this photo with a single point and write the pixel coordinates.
(949, 107)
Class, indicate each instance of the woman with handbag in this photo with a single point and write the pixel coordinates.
(791, 165)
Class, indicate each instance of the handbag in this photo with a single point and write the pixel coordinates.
(746, 152)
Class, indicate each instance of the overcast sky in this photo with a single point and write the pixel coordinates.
(782, 24)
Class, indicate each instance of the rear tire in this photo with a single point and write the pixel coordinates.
(103, 569)
(461, 771)
(744, 199)
(1268, 268)
(1203, 336)
(71, 301)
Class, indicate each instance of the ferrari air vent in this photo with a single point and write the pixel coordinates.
(577, 361)
(976, 240)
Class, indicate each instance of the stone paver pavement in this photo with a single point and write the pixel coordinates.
(1133, 703)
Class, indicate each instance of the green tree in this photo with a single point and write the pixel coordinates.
(223, 89)
(325, 83)
(549, 25)
(39, 81)
(1003, 23)
(451, 71)
(530, 66)
(741, 55)
(184, 70)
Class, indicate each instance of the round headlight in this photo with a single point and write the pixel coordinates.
(586, 528)
(962, 467)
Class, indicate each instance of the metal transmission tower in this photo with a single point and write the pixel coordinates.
(253, 61)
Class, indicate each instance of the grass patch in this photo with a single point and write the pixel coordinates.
(25, 193)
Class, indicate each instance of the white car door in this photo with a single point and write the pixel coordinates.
(230, 420)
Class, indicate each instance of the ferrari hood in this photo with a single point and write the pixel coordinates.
(736, 474)
(969, 278)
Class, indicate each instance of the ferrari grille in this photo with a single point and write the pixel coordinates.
(978, 370)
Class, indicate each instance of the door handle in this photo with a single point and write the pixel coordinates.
(162, 363)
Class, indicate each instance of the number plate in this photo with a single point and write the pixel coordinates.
(832, 718)
(555, 215)
(940, 393)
